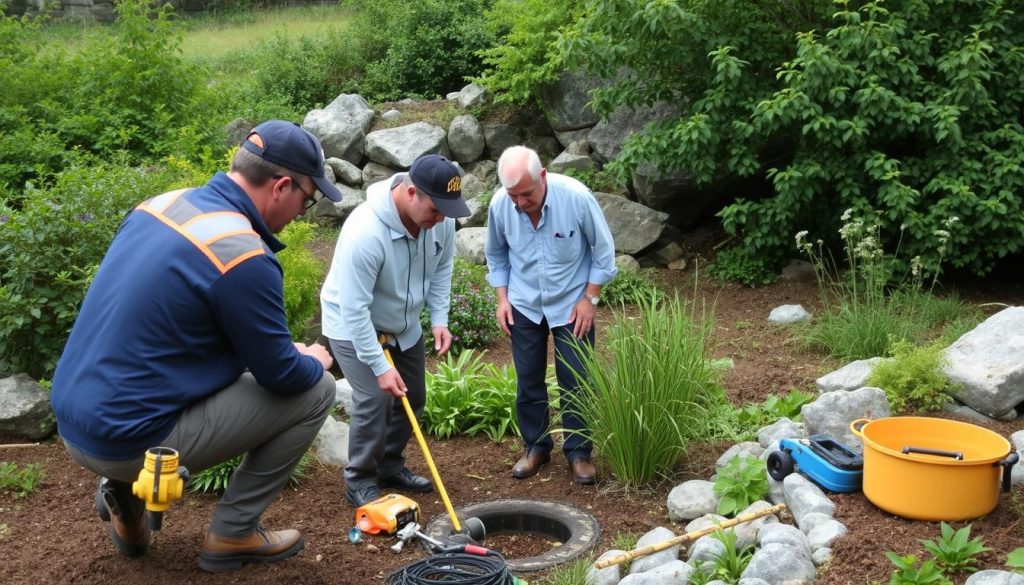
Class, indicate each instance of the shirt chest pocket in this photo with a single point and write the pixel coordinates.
(565, 248)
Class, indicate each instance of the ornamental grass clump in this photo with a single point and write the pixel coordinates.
(867, 306)
(649, 389)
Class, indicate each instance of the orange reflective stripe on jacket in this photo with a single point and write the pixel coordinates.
(225, 237)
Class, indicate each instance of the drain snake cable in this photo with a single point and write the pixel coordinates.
(461, 568)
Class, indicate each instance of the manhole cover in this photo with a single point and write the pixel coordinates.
(576, 530)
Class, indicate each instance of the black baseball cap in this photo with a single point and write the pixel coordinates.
(441, 179)
(289, 145)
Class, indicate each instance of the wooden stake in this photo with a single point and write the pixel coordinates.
(660, 546)
(16, 445)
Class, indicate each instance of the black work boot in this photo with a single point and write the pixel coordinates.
(116, 504)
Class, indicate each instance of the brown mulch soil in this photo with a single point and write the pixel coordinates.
(54, 536)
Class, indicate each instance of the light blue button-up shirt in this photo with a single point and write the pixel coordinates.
(546, 269)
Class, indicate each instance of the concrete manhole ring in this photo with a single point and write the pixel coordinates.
(577, 530)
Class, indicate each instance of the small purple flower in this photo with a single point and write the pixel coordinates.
(86, 217)
(4, 218)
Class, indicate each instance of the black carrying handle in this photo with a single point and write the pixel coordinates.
(1007, 464)
(959, 456)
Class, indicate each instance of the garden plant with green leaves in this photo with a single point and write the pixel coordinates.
(466, 395)
(740, 482)
(910, 107)
(471, 313)
(20, 480)
(651, 389)
(913, 379)
(872, 303)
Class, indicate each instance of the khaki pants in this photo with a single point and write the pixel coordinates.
(272, 430)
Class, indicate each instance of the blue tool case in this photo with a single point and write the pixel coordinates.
(821, 459)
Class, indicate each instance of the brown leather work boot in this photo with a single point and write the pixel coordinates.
(583, 471)
(530, 464)
(116, 504)
(224, 553)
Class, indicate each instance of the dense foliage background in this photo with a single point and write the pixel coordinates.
(905, 110)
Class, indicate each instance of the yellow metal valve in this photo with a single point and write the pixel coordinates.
(160, 482)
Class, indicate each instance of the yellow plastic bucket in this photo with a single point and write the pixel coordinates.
(933, 469)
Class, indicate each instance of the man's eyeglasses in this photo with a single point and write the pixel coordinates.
(308, 199)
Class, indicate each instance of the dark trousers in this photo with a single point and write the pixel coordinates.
(530, 356)
(379, 428)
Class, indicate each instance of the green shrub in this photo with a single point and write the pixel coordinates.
(526, 56)
(754, 416)
(631, 286)
(471, 316)
(303, 73)
(739, 265)
(913, 379)
(909, 107)
(650, 389)
(426, 48)
(956, 551)
(51, 245)
(740, 483)
(909, 573)
(125, 91)
(303, 275)
(215, 479)
(466, 395)
(20, 481)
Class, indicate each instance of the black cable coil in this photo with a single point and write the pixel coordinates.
(462, 568)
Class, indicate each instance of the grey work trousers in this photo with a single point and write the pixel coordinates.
(272, 430)
(379, 428)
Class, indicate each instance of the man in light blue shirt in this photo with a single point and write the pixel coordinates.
(394, 255)
(549, 251)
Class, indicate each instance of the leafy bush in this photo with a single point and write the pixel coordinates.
(909, 573)
(469, 396)
(739, 265)
(20, 482)
(471, 314)
(215, 479)
(631, 286)
(303, 275)
(913, 379)
(740, 483)
(527, 56)
(110, 97)
(650, 389)
(426, 48)
(956, 551)
(754, 416)
(302, 73)
(910, 107)
(51, 245)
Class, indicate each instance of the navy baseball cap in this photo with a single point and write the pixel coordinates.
(289, 145)
(439, 178)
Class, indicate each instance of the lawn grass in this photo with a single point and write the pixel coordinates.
(210, 36)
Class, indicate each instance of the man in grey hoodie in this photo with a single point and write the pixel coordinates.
(395, 254)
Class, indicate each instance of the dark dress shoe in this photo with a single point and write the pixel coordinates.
(530, 464)
(129, 530)
(408, 481)
(225, 553)
(362, 496)
(583, 471)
